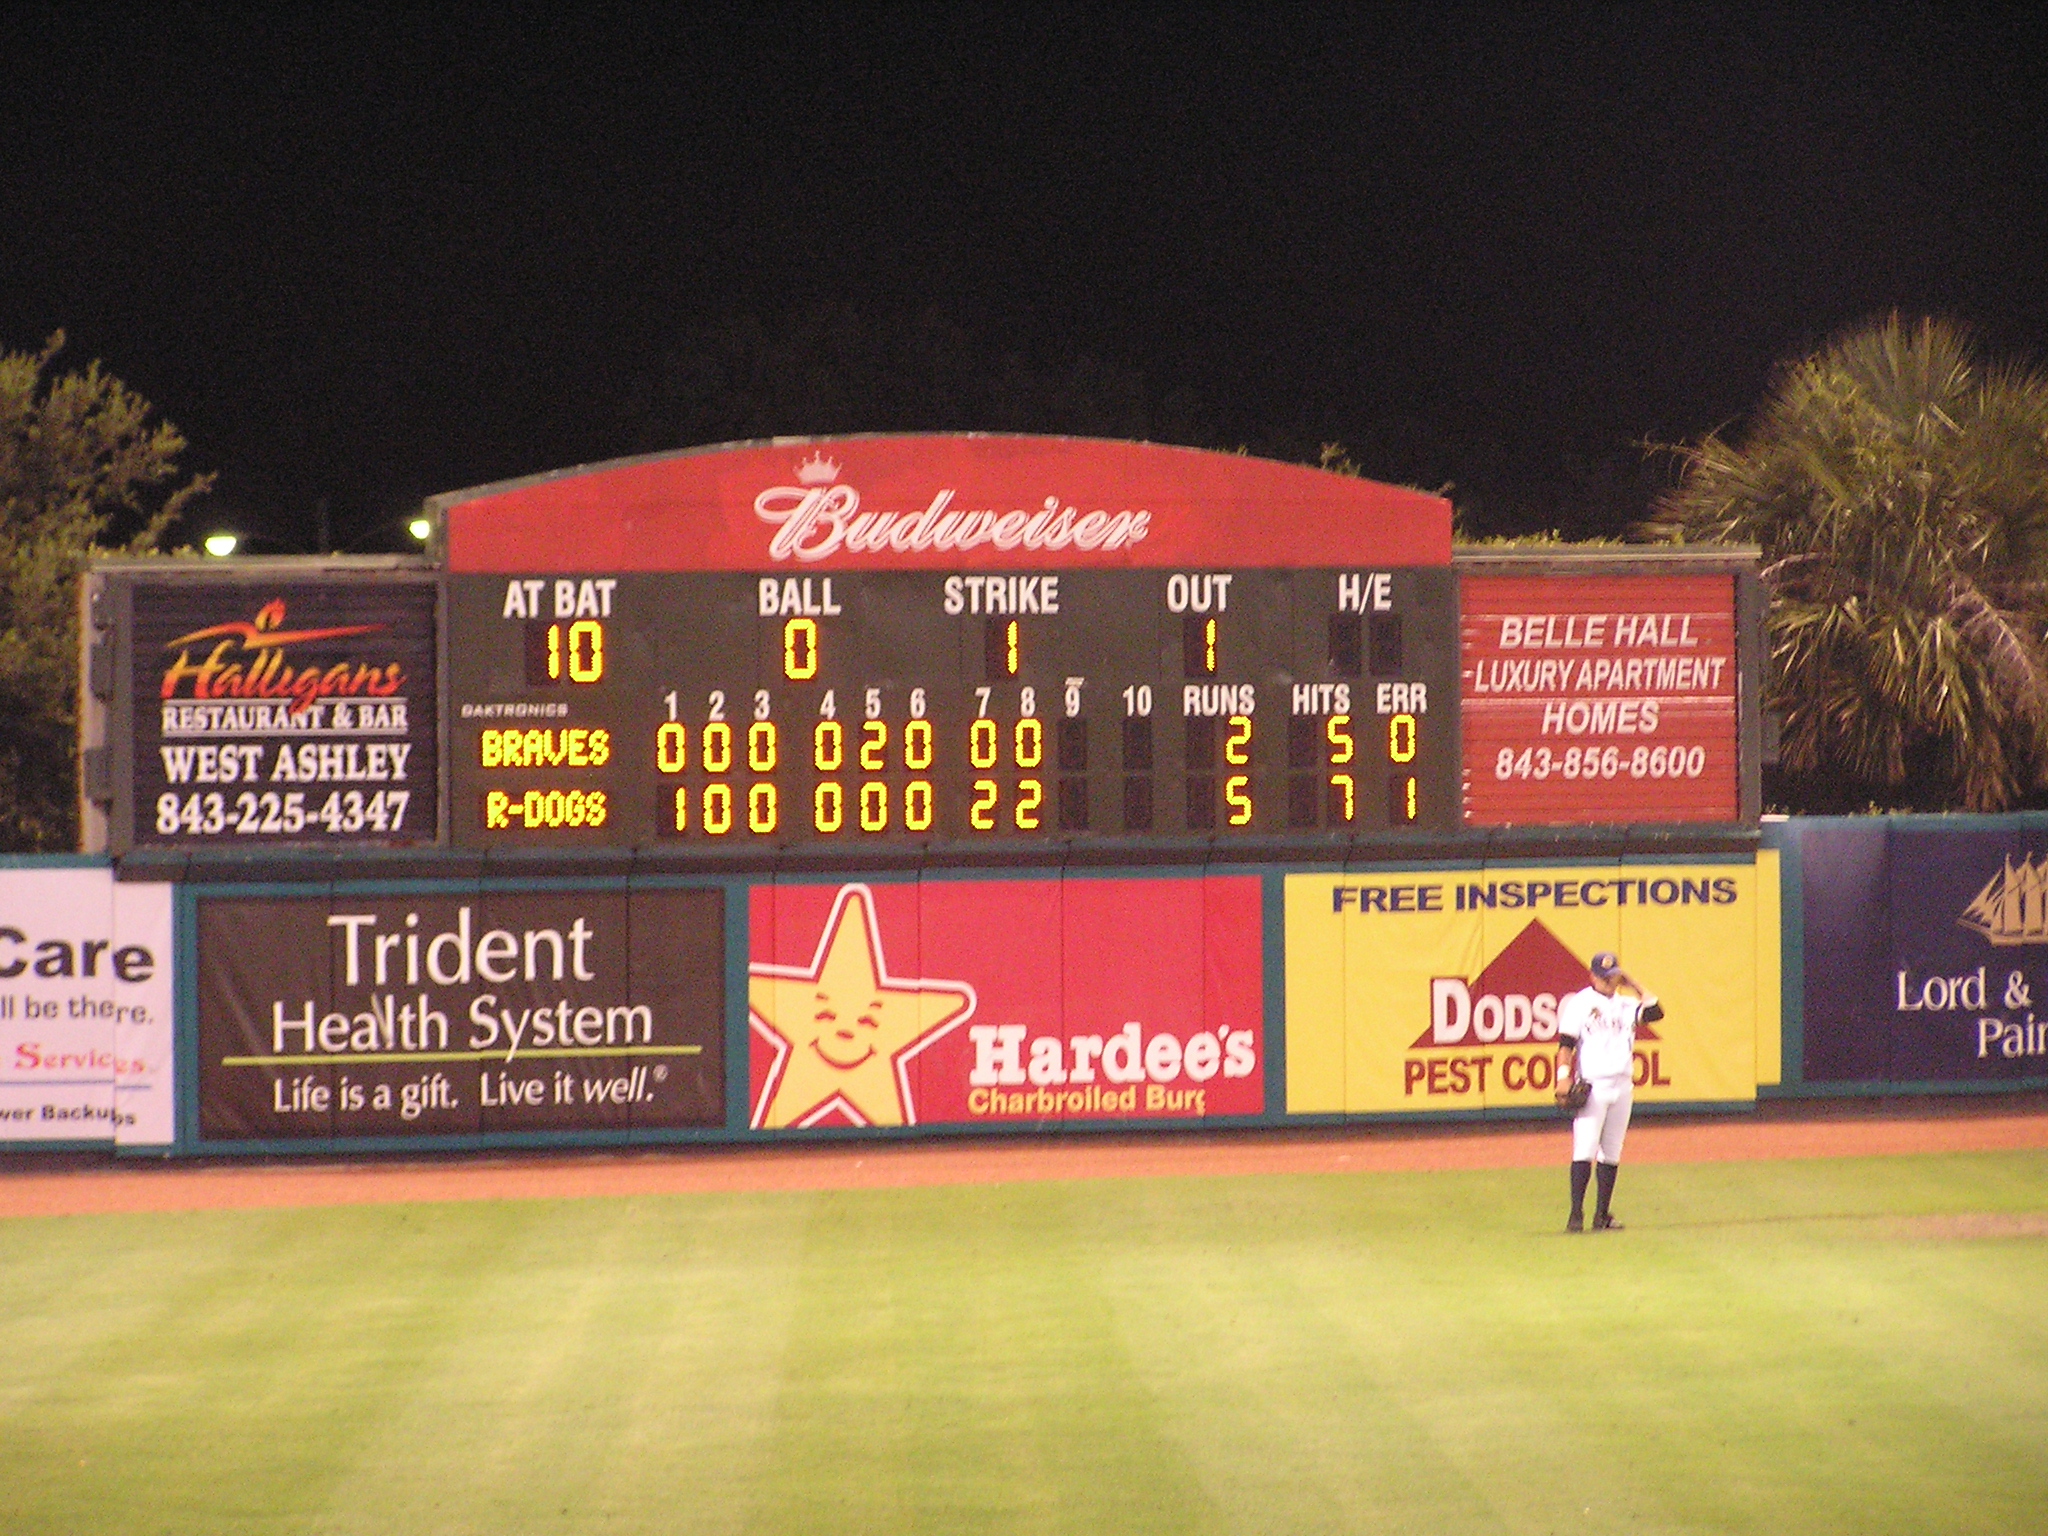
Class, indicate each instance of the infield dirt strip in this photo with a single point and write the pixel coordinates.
(129, 1187)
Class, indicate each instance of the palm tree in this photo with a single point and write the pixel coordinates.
(1898, 487)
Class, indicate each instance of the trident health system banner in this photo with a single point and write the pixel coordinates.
(1438, 989)
(85, 1007)
(1005, 1001)
(561, 1010)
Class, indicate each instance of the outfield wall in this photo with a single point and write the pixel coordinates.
(430, 1009)
(1915, 953)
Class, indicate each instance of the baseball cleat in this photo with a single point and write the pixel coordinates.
(1605, 1222)
(1575, 1223)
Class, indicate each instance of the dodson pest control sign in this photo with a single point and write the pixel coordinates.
(1439, 990)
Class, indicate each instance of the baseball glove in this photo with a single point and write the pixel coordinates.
(1573, 1099)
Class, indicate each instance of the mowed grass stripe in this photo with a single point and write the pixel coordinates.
(1769, 1347)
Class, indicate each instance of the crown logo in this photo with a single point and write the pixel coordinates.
(817, 470)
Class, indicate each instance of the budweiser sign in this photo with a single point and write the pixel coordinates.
(940, 501)
(820, 516)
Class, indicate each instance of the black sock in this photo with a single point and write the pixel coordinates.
(1582, 1174)
(1606, 1195)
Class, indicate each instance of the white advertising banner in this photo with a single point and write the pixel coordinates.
(85, 1007)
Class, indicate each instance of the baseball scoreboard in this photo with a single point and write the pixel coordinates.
(863, 708)
(941, 644)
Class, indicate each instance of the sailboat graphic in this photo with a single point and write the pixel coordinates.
(2013, 906)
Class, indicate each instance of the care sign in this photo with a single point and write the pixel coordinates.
(341, 1016)
(1439, 989)
(85, 1007)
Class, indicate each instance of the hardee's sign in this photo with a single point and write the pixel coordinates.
(1438, 990)
(1503, 1023)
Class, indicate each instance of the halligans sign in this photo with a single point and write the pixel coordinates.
(384, 1016)
(293, 712)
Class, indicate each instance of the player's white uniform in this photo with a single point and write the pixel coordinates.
(1605, 1028)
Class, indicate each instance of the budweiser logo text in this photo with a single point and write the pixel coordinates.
(815, 521)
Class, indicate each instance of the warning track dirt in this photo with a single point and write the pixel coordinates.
(27, 1189)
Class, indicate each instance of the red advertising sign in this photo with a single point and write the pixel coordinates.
(1599, 699)
(988, 1002)
(958, 502)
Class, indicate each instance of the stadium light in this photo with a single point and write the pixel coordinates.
(221, 545)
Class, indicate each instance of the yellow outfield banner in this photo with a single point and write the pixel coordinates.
(1438, 989)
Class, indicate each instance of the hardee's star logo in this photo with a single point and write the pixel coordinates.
(843, 1029)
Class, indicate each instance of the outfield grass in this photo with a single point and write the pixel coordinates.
(1771, 1347)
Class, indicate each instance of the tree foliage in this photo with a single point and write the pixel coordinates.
(1898, 485)
(81, 467)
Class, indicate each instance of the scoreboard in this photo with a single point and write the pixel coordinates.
(920, 645)
(865, 708)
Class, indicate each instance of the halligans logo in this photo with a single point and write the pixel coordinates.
(2013, 906)
(820, 516)
(247, 661)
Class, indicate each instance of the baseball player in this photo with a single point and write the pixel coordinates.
(1596, 1037)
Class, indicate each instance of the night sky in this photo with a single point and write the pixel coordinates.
(366, 258)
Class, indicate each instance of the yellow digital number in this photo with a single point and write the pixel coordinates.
(828, 746)
(680, 809)
(586, 651)
(718, 809)
(874, 746)
(761, 746)
(1237, 794)
(1341, 782)
(800, 649)
(828, 807)
(1337, 731)
(1401, 739)
(917, 745)
(982, 814)
(761, 808)
(874, 807)
(917, 805)
(984, 742)
(671, 748)
(1030, 796)
(717, 747)
(1237, 747)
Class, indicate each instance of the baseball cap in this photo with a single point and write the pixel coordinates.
(1605, 964)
